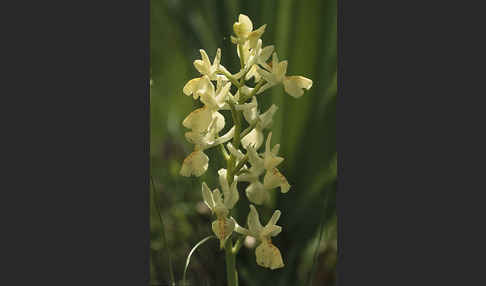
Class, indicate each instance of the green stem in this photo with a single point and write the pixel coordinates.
(238, 245)
(231, 274)
(237, 121)
(226, 157)
(230, 77)
(242, 60)
(232, 168)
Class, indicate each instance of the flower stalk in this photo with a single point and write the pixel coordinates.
(231, 273)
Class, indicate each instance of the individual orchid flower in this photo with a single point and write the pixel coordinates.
(205, 67)
(200, 119)
(257, 166)
(205, 125)
(204, 139)
(259, 56)
(273, 178)
(293, 85)
(270, 158)
(257, 192)
(230, 193)
(267, 254)
(223, 226)
(263, 121)
(214, 99)
(197, 162)
(252, 58)
(244, 31)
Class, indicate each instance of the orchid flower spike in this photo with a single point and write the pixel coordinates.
(244, 162)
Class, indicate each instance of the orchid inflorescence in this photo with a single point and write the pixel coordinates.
(207, 122)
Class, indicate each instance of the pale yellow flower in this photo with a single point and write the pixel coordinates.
(205, 67)
(222, 226)
(267, 254)
(271, 160)
(257, 192)
(273, 178)
(195, 164)
(214, 99)
(263, 121)
(293, 85)
(194, 85)
(244, 31)
(205, 124)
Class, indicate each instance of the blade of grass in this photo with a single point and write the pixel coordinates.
(190, 254)
(164, 238)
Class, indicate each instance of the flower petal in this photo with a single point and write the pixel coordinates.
(270, 161)
(256, 193)
(255, 35)
(196, 163)
(219, 208)
(207, 196)
(217, 59)
(243, 27)
(270, 228)
(282, 70)
(239, 229)
(226, 137)
(294, 85)
(254, 159)
(219, 121)
(254, 138)
(231, 195)
(265, 54)
(267, 117)
(273, 178)
(192, 86)
(254, 221)
(199, 119)
(268, 255)
(222, 228)
(251, 114)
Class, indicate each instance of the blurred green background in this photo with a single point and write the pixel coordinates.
(304, 33)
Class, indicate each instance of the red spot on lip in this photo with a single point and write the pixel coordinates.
(221, 228)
